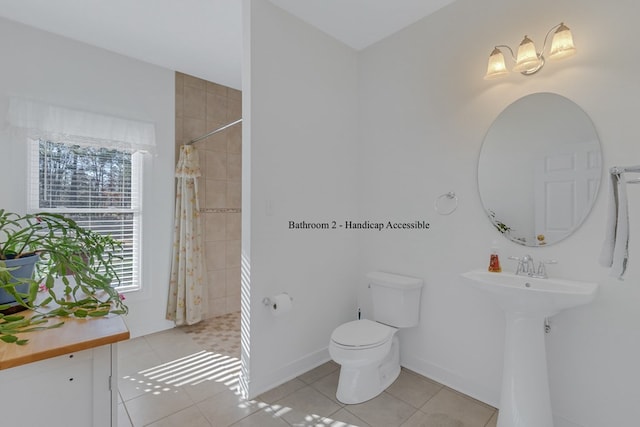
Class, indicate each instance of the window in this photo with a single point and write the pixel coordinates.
(99, 187)
(87, 166)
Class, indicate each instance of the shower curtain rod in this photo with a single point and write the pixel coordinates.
(220, 129)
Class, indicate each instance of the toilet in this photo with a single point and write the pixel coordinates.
(368, 351)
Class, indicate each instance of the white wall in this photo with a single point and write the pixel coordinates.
(424, 110)
(42, 66)
(299, 139)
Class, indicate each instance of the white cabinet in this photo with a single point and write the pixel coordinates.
(72, 390)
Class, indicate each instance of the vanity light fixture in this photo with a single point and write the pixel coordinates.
(529, 61)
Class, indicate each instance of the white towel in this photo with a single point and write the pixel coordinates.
(615, 250)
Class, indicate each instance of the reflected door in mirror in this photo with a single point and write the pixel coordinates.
(566, 184)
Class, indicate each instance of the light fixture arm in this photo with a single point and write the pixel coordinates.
(546, 37)
(513, 56)
(537, 68)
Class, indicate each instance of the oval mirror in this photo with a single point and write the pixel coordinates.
(539, 169)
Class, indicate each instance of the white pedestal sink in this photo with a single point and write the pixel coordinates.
(527, 301)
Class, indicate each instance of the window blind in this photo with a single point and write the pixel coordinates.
(97, 187)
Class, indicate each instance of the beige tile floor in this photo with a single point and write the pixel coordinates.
(175, 379)
(220, 334)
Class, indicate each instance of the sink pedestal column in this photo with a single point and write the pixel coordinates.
(524, 399)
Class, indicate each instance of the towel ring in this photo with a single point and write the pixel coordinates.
(440, 201)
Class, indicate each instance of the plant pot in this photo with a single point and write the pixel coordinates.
(23, 270)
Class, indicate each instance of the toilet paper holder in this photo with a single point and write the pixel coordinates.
(269, 302)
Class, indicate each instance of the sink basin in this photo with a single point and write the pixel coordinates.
(532, 295)
(525, 400)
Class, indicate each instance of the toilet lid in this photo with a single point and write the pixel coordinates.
(361, 333)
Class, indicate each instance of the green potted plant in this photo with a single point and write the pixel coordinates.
(35, 250)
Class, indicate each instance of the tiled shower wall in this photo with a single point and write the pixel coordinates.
(201, 107)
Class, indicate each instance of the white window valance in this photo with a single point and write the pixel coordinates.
(39, 120)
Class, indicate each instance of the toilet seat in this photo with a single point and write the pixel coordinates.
(362, 334)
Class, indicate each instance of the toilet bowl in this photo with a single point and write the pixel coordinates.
(368, 351)
(369, 355)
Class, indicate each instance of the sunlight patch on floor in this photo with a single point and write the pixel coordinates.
(189, 370)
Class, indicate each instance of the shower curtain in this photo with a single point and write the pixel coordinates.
(186, 284)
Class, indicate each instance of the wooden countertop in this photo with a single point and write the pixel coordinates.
(75, 335)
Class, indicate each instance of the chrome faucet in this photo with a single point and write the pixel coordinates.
(527, 268)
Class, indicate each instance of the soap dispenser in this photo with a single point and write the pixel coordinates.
(494, 261)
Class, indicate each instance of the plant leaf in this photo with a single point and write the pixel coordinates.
(98, 313)
(9, 338)
(42, 328)
(13, 318)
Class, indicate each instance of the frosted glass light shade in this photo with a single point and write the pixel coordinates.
(527, 58)
(496, 66)
(562, 43)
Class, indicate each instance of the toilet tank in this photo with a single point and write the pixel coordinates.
(396, 299)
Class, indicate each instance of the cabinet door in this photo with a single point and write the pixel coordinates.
(72, 390)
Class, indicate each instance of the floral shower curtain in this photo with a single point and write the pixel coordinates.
(186, 284)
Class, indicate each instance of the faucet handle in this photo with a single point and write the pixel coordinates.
(520, 267)
(542, 270)
(527, 265)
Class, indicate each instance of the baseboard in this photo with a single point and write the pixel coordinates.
(259, 384)
(450, 379)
